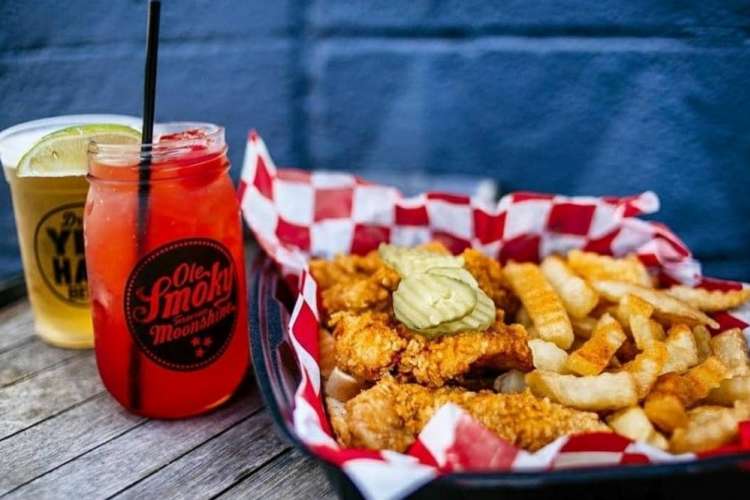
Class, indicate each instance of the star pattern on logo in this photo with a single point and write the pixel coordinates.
(199, 352)
(207, 342)
(196, 341)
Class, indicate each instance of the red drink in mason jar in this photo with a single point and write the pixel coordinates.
(165, 263)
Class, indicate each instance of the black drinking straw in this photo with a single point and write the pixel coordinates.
(144, 172)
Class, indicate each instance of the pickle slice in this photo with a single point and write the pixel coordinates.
(422, 300)
(456, 273)
(408, 261)
(480, 318)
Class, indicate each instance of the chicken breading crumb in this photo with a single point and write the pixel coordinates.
(390, 415)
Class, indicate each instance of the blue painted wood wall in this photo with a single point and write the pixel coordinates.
(578, 97)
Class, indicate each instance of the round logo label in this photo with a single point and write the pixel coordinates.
(59, 251)
(181, 303)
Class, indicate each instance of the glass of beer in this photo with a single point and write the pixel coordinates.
(48, 205)
(166, 270)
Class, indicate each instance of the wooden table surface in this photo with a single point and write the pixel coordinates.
(63, 436)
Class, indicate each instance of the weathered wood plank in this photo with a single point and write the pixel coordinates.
(215, 465)
(291, 476)
(38, 450)
(31, 358)
(16, 325)
(52, 391)
(119, 463)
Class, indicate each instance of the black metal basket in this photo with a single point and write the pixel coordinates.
(278, 375)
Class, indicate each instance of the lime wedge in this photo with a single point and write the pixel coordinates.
(64, 152)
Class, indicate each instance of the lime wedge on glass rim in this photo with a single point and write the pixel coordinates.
(65, 152)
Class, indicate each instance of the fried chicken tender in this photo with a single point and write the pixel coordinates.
(370, 344)
(390, 415)
(489, 275)
(354, 283)
(436, 361)
(365, 344)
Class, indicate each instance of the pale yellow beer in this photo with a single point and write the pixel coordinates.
(49, 220)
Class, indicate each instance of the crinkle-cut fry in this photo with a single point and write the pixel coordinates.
(541, 303)
(547, 356)
(702, 342)
(583, 327)
(731, 390)
(665, 411)
(710, 300)
(327, 348)
(646, 367)
(576, 295)
(682, 349)
(665, 306)
(645, 331)
(594, 355)
(607, 391)
(633, 423)
(523, 318)
(631, 305)
(593, 266)
(672, 394)
(731, 348)
(709, 427)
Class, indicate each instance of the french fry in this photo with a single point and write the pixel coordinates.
(709, 427)
(547, 356)
(631, 305)
(633, 423)
(576, 295)
(672, 394)
(532, 332)
(702, 338)
(683, 352)
(710, 300)
(665, 306)
(593, 266)
(337, 415)
(657, 440)
(731, 390)
(614, 363)
(327, 346)
(646, 367)
(542, 304)
(607, 391)
(731, 348)
(341, 386)
(510, 382)
(594, 355)
(583, 327)
(645, 331)
(522, 317)
(665, 411)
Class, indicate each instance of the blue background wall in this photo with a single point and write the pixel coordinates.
(577, 97)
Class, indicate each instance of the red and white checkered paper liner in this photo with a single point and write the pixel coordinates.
(296, 214)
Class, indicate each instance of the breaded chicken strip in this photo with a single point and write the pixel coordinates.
(365, 344)
(354, 283)
(390, 415)
(369, 345)
(434, 362)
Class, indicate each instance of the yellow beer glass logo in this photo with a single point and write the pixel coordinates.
(59, 249)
